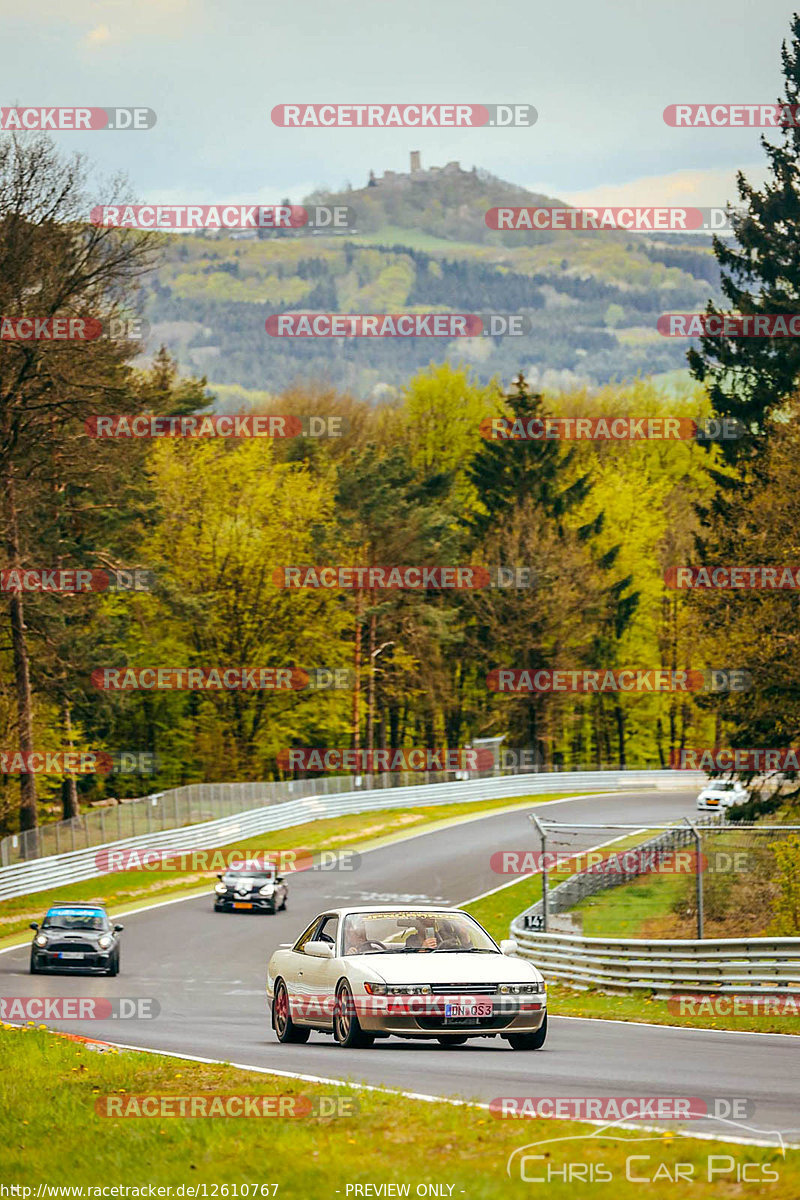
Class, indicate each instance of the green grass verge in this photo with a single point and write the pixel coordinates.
(496, 912)
(51, 1083)
(358, 831)
(622, 912)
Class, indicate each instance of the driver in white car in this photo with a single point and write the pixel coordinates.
(356, 940)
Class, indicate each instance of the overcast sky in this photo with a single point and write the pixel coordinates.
(599, 75)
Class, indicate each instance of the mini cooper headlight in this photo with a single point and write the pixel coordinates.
(105, 941)
(267, 889)
(220, 889)
(40, 939)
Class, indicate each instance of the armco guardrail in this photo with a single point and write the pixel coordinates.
(742, 965)
(749, 965)
(76, 866)
(190, 804)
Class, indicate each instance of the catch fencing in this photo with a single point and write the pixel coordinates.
(749, 965)
(284, 805)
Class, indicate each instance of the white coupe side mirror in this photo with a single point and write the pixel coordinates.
(509, 946)
(319, 949)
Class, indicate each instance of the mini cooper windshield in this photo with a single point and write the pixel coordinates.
(75, 918)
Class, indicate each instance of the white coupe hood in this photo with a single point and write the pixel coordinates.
(447, 967)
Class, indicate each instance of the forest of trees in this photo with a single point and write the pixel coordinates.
(412, 481)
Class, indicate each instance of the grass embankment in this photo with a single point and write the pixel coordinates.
(617, 909)
(740, 890)
(124, 889)
(51, 1083)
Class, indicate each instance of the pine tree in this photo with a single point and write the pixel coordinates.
(508, 472)
(749, 378)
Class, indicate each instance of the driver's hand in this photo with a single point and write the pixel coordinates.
(429, 943)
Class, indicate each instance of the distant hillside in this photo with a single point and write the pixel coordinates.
(421, 244)
(446, 202)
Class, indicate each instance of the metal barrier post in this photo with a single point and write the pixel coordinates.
(545, 885)
(698, 875)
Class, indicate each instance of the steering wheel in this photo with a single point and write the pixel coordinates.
(448, 944)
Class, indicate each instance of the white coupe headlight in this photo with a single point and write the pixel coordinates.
(411, 989)
(40, 939)
(220, 889)
(105, 941)
(516, 989)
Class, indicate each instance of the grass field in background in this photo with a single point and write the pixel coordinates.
(51, 1083)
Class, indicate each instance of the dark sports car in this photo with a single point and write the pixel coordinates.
(253, 890)
(76, 937)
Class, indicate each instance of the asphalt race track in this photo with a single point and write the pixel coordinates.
(206, 970)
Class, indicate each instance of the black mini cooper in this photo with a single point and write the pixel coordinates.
(76, 937)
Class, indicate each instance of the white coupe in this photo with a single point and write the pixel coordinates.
(722, 793)
(422, 972)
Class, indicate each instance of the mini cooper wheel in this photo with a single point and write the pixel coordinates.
(282, 1023)
(346, 1026)
(34, 967)
(529, 1041)
(113, 966)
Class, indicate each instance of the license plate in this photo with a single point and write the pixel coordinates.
(457, 1012)
(240, 904)
(71, 954)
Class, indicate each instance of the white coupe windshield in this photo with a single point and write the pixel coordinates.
(409, 932)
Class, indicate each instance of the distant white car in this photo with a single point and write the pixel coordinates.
(423, 972)
(722, 794)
